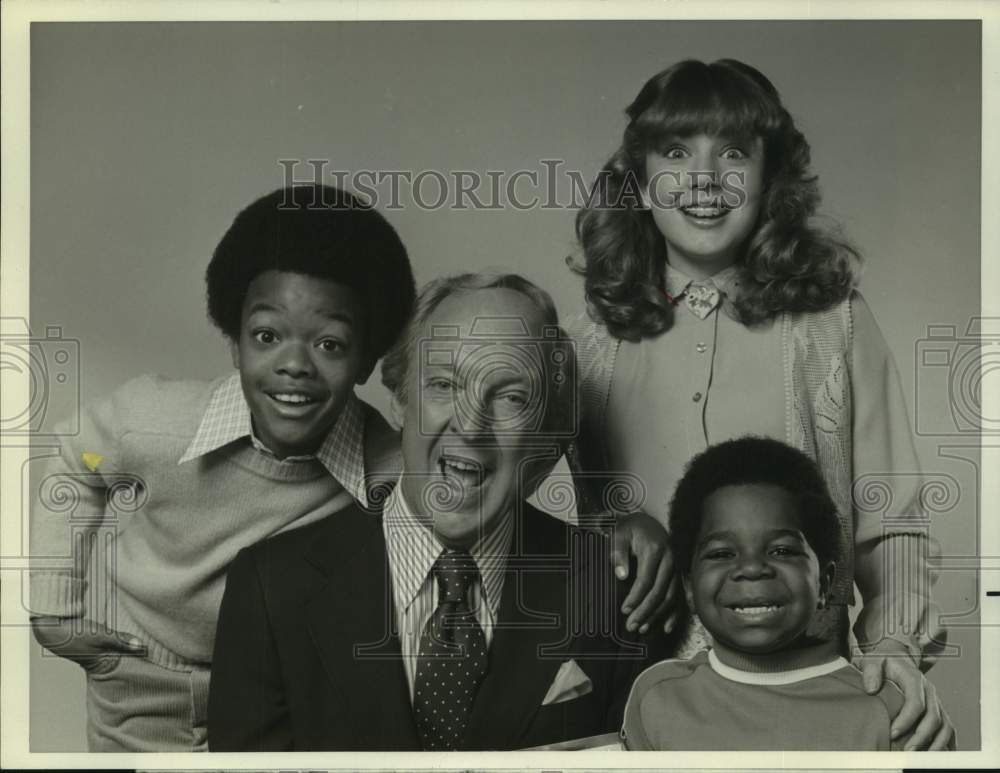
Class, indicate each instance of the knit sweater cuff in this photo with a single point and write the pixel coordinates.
(55, 594)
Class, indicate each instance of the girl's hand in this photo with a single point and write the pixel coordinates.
(85, 642)
(654, 591)
(922, 713)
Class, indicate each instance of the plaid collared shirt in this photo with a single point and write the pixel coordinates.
(412, 550)
(227, 420)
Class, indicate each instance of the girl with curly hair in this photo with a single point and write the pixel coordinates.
(718, 307)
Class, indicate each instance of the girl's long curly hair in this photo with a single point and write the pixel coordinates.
(789, 263)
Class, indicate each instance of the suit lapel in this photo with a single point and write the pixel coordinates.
(532, 617)
(352, 620)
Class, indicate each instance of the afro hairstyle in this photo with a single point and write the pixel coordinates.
(323, 232)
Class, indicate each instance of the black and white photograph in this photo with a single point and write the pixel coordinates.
(415, 385)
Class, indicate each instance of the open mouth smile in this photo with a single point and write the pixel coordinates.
(753, 610)
(292, 404)
(462, 470)
(706, 213)
(292, 399)
(756, 610)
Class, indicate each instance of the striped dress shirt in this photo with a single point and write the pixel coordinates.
(412, 550)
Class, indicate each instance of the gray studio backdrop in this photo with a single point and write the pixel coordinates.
(147, 138)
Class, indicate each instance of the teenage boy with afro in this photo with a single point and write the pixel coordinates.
(311, 287)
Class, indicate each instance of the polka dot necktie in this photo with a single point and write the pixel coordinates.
(452, 659)
(701, 299)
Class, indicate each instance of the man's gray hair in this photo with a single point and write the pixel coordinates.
(399, 359)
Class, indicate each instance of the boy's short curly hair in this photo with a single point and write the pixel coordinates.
(319, 231)
(750, 460)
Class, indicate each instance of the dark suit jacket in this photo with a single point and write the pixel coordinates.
(306, 657)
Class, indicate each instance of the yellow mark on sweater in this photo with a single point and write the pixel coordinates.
(92, 460)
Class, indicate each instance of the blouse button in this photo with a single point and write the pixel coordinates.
(701, 348)
(696, 396)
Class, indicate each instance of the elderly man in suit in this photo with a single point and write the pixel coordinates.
(456, 616)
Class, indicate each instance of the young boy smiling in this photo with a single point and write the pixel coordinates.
(754, 532)
(311, 287)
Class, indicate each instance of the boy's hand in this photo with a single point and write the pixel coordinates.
(922, 713)
(655, 588)
(83, 641)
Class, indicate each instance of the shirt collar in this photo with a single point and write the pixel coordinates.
(790, 676)
(227, 419)
(727, 282)
(413, 549)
